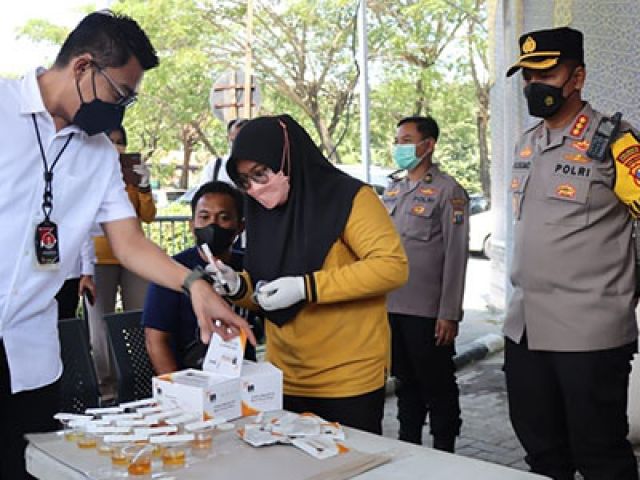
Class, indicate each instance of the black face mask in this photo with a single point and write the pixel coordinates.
(544, 100)
(218, 239)
(97, 116)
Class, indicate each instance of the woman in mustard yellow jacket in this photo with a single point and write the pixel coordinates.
(111, 277)
(328, 252)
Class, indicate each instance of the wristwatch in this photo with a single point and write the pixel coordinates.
(197, 273)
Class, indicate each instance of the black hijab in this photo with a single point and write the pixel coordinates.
(292, 239)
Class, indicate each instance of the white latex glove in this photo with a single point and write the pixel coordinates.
(226, 280)
(281, 293)
(145, 174)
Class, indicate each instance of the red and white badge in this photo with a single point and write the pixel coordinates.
(47, 246)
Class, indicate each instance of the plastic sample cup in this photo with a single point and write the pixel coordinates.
(72, 434)
(174, 456)
(202, 439)
(86, 441)
(119, 458)
(139, 458)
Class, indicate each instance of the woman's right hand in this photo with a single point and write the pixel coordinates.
(226, 280)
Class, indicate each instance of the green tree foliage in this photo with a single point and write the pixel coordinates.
(174, 111)
(40, 30)
(426, 57)
(420, 48)
(303, 52)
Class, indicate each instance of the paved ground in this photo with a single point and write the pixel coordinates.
(478, 319)
(486, 431)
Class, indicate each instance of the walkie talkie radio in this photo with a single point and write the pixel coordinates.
(607, 130)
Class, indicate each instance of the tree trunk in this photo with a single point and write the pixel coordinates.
(186, 159)
(327, 146)
(421, 100)
(482, 98)
(203, 138)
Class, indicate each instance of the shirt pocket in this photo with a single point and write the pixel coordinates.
(422, 220)
(568, 200)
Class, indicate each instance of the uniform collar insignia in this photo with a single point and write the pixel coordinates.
(579, 126)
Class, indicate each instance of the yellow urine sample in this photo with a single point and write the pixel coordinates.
(119, 458)
(142, 466)
(73, 435)
(173, 457)
(87, 442)
(201, 443)
(104, 449)
(157, 451)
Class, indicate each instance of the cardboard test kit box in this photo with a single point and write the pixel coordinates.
(227, 387)
(261, 388)
(199, 392)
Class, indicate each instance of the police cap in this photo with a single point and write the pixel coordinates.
(543, 49)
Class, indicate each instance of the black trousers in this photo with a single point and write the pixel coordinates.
(25, 412)
(569, 410)
(427, 380)
(363, 412)
(67, 298)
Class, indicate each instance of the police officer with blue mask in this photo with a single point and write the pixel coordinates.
(430, 211)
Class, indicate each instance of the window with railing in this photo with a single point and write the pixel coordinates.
(171, 233)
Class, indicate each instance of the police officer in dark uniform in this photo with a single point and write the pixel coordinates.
(570, 326)
(431, 212)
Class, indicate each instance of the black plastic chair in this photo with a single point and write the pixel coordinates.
(132, 364)
(79, 384)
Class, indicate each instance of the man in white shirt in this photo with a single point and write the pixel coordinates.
(216, 168)
(60, 175)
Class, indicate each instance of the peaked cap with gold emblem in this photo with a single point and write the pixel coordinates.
(543, 49)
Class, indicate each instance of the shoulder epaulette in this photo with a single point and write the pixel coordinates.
(396, 175)
(533, 127)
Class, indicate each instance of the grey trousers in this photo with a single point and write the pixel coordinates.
(111, 280)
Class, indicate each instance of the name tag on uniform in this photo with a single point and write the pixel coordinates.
(572, 170)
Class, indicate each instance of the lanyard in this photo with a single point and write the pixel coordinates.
(47, 197)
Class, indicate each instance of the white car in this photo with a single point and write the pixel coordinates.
(379, 176)
(480, 226)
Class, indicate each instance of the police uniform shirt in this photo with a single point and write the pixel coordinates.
(573, 262)
(432, 217)
(87, 189)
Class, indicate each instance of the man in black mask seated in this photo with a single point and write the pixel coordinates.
(170, 325)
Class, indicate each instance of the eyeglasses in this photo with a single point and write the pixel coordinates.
(124, 100)
(258, 174)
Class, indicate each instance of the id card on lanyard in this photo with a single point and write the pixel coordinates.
(46, 239)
